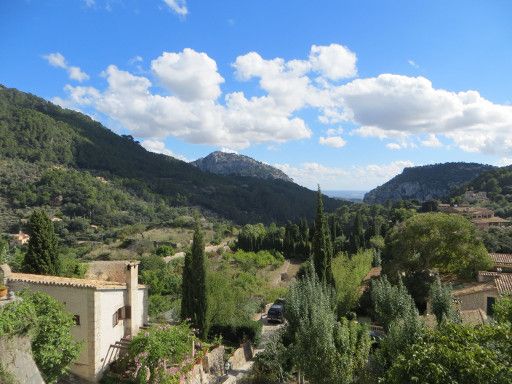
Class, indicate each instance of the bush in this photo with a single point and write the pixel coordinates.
(237, 333)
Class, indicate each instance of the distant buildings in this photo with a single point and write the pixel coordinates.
(482, 217)
(20, 238)
(108, 307)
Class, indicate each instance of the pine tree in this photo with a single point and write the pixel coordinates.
(42, 257)
(322, 252)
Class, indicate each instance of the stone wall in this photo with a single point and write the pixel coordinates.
(17, 362)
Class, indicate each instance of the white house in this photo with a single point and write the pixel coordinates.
(107, 309)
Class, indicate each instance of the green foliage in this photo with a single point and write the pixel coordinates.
(435, 240)
(250, 260)
(456, 353)
(497, 239)
(33, 130)
(42, 257)
(348, 274)
(164, 250)
(390, 302)
(49, 326)
(325, 350)
(322, 250)
(236, 333)
(154, 353)
(502, 310)
(270, 365)
(442, 302)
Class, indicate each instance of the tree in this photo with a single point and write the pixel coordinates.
(435, 240)
(195, 292)
(456, 353)
(442, 302)
(42, 257)
(322, 252)
(390, 302)
(53, 346)
(503, 309)
(327, 351)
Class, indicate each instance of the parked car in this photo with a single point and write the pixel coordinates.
(276, 313)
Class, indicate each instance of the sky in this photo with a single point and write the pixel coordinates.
(344, 94)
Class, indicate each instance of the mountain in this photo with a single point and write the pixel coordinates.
(426, 182)
(59, 156)
(223, 163)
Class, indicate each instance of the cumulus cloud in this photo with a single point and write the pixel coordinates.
(332, 141)
(403, 111)
(59, 61)
(390, 106)
(190, 75)
(363, 177)
(178, 6)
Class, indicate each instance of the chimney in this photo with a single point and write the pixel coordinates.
(5, 273)
(132, 310)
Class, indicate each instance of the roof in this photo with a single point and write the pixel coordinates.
(501, 258)
(65, 281)
(504, 283)
(474, 288)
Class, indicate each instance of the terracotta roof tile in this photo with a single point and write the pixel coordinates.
(501, 258)
(66, 281)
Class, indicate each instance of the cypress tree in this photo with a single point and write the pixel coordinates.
(322, 252)
(42, 257)
(200, 295)
(187, 282)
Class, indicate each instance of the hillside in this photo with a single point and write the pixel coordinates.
(426, 182)
(497, 184)
(222, 163)
(38, 137)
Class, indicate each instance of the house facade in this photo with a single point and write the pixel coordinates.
(106, 311)
(483, 294)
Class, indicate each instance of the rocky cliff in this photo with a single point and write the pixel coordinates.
(223, 163)
(427, 182)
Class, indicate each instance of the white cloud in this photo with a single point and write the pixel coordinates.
(332, 141)
(190, 75)
(402, 111)
(393, 146)
(362, 177)
(432, 141)
(158, 146)
(334, 61)
(56, 59)
(334, 131)
(178, 6)
(390, 106)
(504, 161)
(412, 63)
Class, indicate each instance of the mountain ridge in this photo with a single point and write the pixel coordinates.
(426, 182)
(226, 163)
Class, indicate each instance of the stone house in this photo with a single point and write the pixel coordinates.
(107, 310)
(482, 294)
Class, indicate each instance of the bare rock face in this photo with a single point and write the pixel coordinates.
(427, 182)
(223, 163)
(16, 362)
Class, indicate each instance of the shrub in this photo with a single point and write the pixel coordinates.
(237, 333)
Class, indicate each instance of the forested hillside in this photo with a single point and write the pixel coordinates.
(64, 153)
(428, 182)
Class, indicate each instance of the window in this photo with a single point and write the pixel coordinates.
(76, 319)
(121, 314)
(115, 319)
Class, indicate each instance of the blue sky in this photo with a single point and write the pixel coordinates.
(344, 94)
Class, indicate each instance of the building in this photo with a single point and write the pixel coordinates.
(482, 294)
(481, 217)
(107, 310)
(502, 261)
(20, 238)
